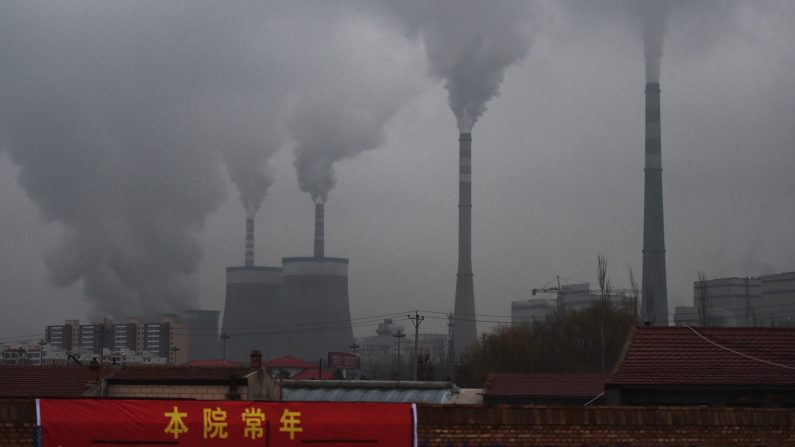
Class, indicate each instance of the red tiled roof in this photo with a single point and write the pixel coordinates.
(176, 373)
(544, 384)
(289, 362)
(45, 381)
(724, 356)
(311, 374)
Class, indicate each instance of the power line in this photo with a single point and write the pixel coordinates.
(780, 365)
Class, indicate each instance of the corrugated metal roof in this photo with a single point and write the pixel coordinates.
(366, 391)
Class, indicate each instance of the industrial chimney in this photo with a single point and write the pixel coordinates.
(654, 294)
(319, 235)
(464, 330)
(249, 261)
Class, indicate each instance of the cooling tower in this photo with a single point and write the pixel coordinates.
(252, 315)
(315, 302)
(464, 330)
(654, 294)
(202, 334)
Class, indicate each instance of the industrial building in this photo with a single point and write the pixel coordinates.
(567, 298)
(300, 309)
(767, 300)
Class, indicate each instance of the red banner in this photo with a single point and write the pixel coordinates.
(100, 422)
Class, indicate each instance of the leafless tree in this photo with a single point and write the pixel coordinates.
(634, 288)
(604, 290)
(703, 300)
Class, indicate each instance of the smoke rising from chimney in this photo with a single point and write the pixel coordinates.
(469, 44)
(653, 16)
(119, 117)
(345, 107)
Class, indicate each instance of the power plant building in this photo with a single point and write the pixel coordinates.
(315, 305)
(252, 313)
(767, 300)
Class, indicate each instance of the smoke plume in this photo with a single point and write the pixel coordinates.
(344, 107)
(119, 116)
(469, 44)
(653, 16)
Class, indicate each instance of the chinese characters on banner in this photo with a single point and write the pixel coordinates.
(82, 422)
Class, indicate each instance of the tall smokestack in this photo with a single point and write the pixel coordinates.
(319, 237)
(249, 242)
(464, 330)
(654, 299)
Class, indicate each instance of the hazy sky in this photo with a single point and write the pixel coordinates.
(129, 131)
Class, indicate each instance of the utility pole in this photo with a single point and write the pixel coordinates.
(354, 347)
(224, 338)
(415, 320)
(174, 350)
(398, 335)
(42, 343)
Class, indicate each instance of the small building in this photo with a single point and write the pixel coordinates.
(212, 382)
(368, 391)
(287, 367)
(546, 388)
(738, 366)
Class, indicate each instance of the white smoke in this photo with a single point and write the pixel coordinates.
(470, 44)
(367, 75)
(119, 116)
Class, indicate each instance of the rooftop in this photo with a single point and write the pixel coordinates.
(288, 362)
(711, 356)
(561, 385)
(177, 374)
(45, 381)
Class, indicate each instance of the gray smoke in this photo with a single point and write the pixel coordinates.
(345, 106)
(246, 154)
(116, 114)
(469, 43)
(653, 16)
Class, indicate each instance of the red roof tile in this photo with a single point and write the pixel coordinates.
(176, 373)
(544, 384)
(311, 374)
(45, 381)
(289, 362)
(708, 356)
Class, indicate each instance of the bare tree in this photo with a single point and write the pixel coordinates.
(634, 304)
(604, 290)
(703, 300)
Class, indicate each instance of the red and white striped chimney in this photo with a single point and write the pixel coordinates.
(319, 230)
(249, 261)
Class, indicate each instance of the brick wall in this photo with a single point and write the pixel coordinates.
(17, 422)
(452, 426)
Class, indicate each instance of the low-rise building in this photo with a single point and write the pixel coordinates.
(742, 366)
